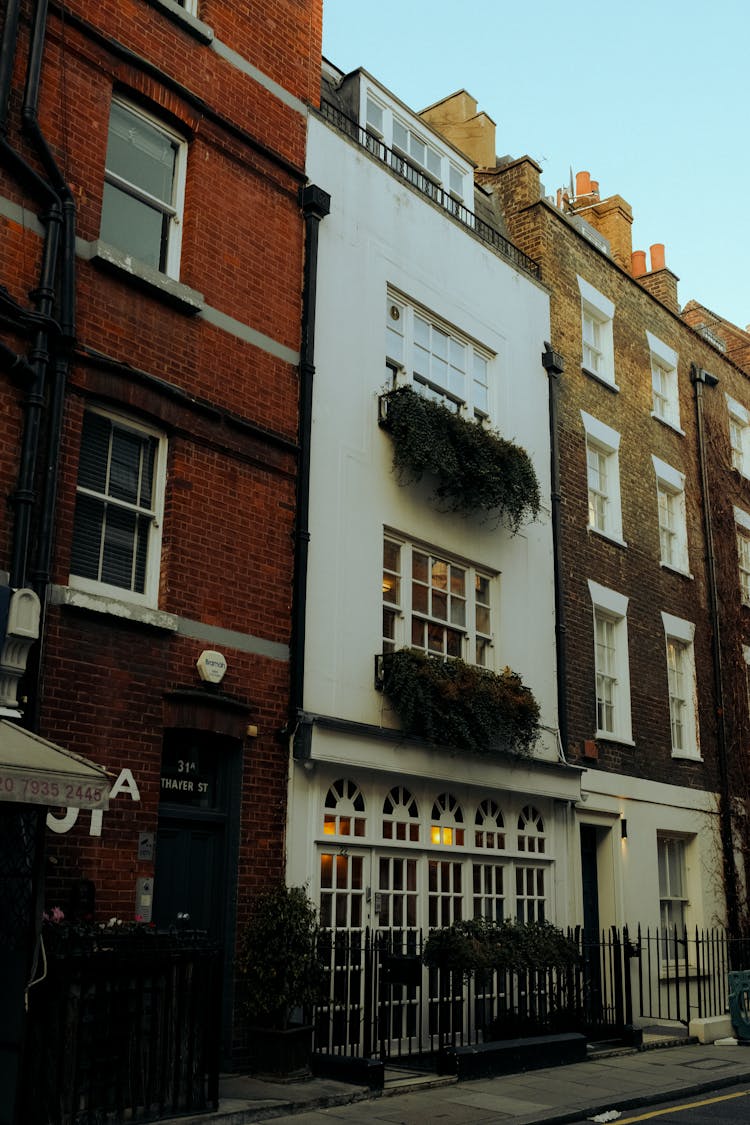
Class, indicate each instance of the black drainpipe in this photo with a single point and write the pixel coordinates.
(700, 379)
(554, 364)
(58, 374)
(316, 204)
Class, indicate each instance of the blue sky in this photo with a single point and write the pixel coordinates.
(650, 97)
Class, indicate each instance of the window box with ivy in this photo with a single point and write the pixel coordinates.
(460, 705)
(477, 470)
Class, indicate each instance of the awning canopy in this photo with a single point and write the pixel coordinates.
(34, 771)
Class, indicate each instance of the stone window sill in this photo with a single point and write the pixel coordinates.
(190, 23)
(114, 607)
(173, 292)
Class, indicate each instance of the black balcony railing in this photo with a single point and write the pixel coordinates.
(418, 179)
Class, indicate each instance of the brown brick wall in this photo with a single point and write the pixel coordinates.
(635, 570)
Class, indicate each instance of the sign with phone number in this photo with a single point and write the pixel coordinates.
(29, 789)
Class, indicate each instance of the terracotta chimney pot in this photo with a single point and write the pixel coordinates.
(638, 263)
(583, 183)
(657, 257)
(594, 187)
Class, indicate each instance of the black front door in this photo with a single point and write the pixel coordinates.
(189, 884)
(191, 874)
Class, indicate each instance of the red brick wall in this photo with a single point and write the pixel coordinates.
(231, 425)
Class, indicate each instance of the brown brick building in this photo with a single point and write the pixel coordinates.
(151, 162)
(649, 516)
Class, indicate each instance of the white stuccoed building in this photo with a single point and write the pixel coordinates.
(388, 832)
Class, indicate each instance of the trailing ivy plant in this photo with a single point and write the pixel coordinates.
(461, 705)
(476, 468)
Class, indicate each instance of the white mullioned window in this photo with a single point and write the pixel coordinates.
(683, 717)
(119, 506)
(597, 346)
(742, 525)
(144, 188)
(440, 605)
(664, 386)
(673, 899)
(422, 865)
(611, 664)
(603, 478)
(670, 498)
(739, 436)
(419, 155)
(439, 361)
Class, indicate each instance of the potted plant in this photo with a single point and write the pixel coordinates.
(283, 978)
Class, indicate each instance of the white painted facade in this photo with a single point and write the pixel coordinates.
(373, 861)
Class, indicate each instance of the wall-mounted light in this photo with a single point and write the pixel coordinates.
(623, 828)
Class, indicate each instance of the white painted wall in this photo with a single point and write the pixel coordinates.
(379, 233)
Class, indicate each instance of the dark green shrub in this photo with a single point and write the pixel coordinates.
(460, 705)
(277, 956)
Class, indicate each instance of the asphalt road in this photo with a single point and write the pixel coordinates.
(726, 1106)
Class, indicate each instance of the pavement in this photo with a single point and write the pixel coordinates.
(617, 1080)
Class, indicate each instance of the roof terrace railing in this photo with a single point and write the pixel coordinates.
(418, 178)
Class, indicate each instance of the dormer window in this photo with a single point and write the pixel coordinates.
(414, 153)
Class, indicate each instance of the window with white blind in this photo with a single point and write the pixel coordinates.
(664, 388)
(739, 436)
(681, 680)
(670, 499)
(603, 477)
(742, 527)
(597, 346)
(119, 504)
(673, 900)
(611, 664)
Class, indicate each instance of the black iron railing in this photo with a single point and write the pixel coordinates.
(382, 1001)
(124, 1027)
(418, 179)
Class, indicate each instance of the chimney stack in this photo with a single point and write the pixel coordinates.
(659, 281)
(611, 217)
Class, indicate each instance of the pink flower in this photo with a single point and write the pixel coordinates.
(57, 914)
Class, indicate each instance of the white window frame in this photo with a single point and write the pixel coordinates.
(597, 343)
(665, 400)
(406, 356)
(602, 441)
(479, 600)
(150, 594)
(174, 209)
(742, 526)
(672, 516)
(739, 436)
(456, 178)
(513, 879)
(672, 853)
(679, 637)
(610, 609)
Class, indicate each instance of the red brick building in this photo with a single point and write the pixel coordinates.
(151, 163)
